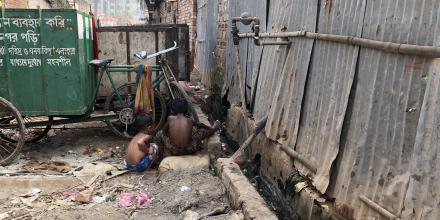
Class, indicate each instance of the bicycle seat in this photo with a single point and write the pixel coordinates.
(100, 63)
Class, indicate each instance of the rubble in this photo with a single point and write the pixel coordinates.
(93, 187)
(84, 196)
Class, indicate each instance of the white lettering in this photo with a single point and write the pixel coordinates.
(13, 50)
(5, 22)
(65, 51)
(12, 37)
(59, 62)
(30, 36)
(1, 62)
(2, 50)
(25, 62)
(56, 21)
(26, 22)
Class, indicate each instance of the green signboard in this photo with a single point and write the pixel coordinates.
(44, 58)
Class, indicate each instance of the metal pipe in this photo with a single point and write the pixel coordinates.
(378, 208)
(303, 160)
(276, 43)
(246, 21)
(390, 47)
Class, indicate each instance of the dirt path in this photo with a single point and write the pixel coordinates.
(96, 155)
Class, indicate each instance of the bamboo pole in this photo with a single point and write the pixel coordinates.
(390, 47)
(303, 160)
(378, 208)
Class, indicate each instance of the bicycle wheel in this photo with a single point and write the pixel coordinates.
(32, 134)
(179, 92)
(128, 95)
(11, 128)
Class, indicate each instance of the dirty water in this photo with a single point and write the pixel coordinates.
(251, 169)
(55, 194)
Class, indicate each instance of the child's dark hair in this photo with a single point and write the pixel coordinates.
(142, 121)
(179, 106)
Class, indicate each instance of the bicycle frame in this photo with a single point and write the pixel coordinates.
(108, 70)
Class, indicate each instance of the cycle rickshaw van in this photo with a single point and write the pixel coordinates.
(44, 71)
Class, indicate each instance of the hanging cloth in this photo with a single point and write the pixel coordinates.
(144, 93)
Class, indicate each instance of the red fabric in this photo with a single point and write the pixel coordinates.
(95, 38)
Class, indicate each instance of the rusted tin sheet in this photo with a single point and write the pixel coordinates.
(330, 78)
(386, 154)
(422, 199)
(273, 57)
(250, 54)
(285, 109)
(207, 25)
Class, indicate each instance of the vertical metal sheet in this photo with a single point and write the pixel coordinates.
(250, 54)
(422, 199)
(207, 56)
(379, 143)
(200, 55)
(274, 57)
(330, 78)
(286, 104)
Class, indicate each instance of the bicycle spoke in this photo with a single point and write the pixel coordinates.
(1, 145)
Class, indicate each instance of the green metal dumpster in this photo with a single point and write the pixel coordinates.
(44, 58)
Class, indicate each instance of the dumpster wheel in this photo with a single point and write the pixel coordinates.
(128, 94)
(11, 128)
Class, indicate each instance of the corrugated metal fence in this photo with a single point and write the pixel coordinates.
(368, 120)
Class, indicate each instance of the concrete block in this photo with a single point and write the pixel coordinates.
(241, 192)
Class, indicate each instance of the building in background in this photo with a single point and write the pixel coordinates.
(119, 12)
(25, 3)
(175, 12)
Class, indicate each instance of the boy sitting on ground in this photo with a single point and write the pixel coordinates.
(140, 152)
(180, 136)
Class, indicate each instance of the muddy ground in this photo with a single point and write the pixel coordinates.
(94, 163)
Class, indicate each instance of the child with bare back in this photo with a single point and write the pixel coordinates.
(180, 136)
(141, 152)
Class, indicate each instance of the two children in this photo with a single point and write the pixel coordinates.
(179, 136)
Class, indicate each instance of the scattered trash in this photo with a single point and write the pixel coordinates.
(31, 202)
(87, 151)
(78, 168)
(100, 150)
(99, 199)
(84, 196)
(55, 166)
(24, 157)
(69, 193)
(141, 200)
(185, 189)
(109, 172)
(33, 192)
(70, 152)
